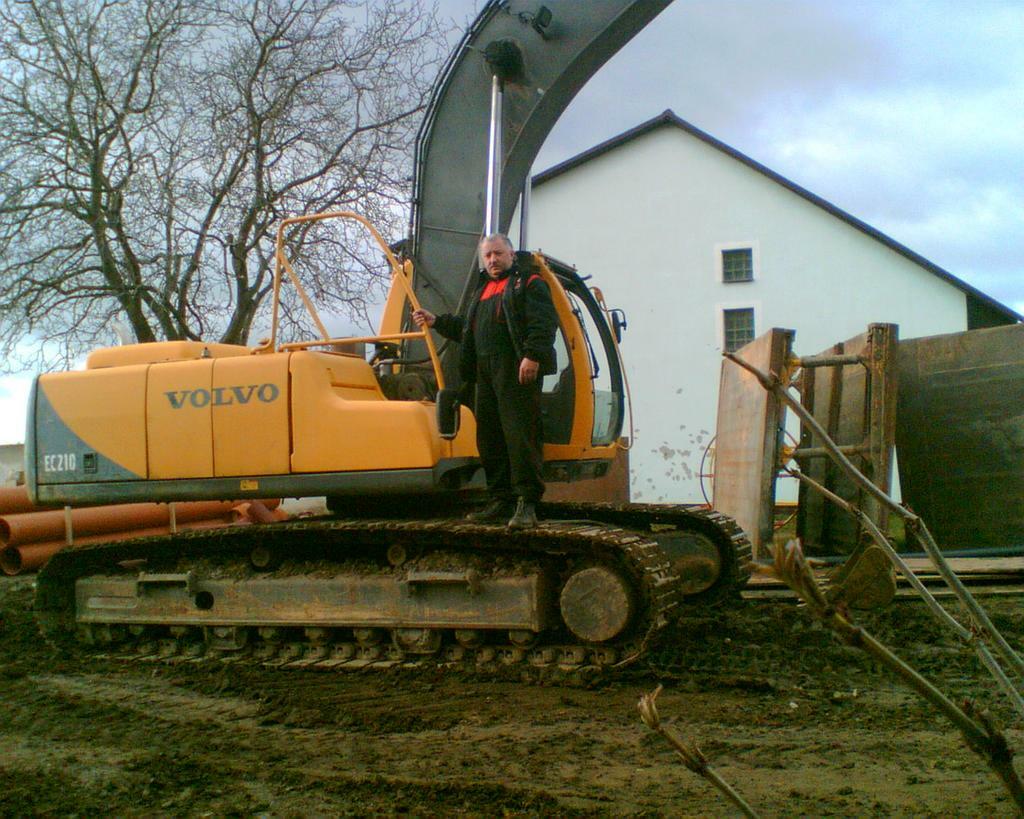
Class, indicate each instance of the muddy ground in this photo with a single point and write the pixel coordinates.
(799, 724)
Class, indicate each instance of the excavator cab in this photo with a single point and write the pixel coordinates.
(583, 402)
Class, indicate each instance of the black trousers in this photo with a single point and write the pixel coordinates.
(508, 429)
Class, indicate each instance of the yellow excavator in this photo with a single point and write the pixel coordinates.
(374, 423)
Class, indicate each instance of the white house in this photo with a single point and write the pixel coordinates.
(12, 464)
(703, 247)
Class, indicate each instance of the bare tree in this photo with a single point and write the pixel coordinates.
(149, 147)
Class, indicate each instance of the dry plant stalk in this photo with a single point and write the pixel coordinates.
(689, 753)
(982, 736)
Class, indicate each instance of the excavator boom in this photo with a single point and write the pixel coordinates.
(560, 45)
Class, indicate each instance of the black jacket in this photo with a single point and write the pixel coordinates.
(529, 313)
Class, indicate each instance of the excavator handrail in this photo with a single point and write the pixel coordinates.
(303, 345)
(399, 272)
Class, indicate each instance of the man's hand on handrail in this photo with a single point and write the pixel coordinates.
(423, 317)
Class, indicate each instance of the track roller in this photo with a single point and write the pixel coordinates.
(319, 636)
(417, 640)
(367, 637)
(522, 638)
(469, 637)
(101, 634)
(226, 638)
(264, 558)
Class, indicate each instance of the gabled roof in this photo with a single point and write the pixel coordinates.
(669, 118)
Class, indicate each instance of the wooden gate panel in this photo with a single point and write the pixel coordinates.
(851, 391)
(749, 437)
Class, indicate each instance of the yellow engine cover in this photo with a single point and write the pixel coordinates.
(218, 417)
(167, 412)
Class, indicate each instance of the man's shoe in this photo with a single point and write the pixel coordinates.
(525, 516)
(495, 511)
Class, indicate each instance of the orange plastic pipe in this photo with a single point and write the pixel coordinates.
(17, 559)
(259, 512)
(29, 556)
(14, 501)
(34, 527)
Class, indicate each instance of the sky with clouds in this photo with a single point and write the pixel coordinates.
(908, 114)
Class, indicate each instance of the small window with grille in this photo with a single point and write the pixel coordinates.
(737, 327)
(738, 265)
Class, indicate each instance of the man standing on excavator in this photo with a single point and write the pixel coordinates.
(508, 338)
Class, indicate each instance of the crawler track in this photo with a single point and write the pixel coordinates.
(624, 537)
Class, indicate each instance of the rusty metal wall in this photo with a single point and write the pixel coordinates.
(960, 435)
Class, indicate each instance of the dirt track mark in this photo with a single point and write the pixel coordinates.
(87, 762)
(151, 697)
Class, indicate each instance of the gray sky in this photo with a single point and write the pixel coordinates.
(908, 114)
